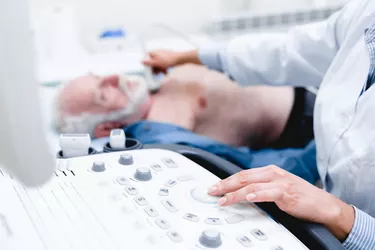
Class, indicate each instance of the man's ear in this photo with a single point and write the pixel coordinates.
(104, 129)
(112, 80)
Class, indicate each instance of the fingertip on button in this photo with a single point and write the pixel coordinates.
(212, 189)
(222, 201)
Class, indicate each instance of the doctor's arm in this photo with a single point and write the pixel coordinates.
(299, 58)
(300, 199)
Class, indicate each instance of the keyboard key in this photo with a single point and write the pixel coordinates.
(259, 234)
(163, 224)
(213, 221)
(164, 192)
(156, 167)
(169, 205)
(245, 241)
(170, 183)
(131, 190)
(169, 163)
(191, 217)
(235, 219)
(175, 236)
(277, 248)
(185, 178)
(122, 180)
(141, 201)
(151, 212)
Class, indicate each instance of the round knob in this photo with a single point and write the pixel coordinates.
(143, 174)
(126, 159)
(98, 166)
(201, 194)
(210, 238)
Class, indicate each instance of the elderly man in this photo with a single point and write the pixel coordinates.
(189, 97)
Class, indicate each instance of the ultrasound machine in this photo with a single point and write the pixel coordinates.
(129, 196)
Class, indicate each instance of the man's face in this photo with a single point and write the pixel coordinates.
(103, 102)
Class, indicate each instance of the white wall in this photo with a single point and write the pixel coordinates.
(94, 15)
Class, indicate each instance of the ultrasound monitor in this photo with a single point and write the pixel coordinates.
(24, 151)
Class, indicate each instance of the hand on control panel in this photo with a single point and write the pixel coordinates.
(291, 194)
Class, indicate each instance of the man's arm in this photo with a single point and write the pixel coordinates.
(362, 235)
(300, 57)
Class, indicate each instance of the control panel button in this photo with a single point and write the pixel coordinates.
(169, 205)
(210, 238)
(169, 163)
(163, 224)
(245, 241)
(122, 180)
(213, 221)
(191, 217)
(171, 183)
(277, 248)
(141, 201)
(185, 178)
(157, 167)
(98, 166)
(201, 195)
(131, 190)
(151, 212)
(143, 174)
(175, 236)
(235, 219)
(164, 192)
(126, 159)
(259, 234)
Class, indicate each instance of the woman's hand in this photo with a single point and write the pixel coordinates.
(162, 60)
(291, 194)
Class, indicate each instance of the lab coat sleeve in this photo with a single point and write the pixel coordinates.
(362, 235)
(301, 57)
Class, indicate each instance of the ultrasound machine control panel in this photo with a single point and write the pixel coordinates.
(139, 199)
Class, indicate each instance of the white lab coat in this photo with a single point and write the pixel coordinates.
(331, 55)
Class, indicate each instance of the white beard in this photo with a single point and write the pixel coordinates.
(87, 122)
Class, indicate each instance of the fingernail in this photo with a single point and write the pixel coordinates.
(212, 189)
(250, 197)
(222, 201)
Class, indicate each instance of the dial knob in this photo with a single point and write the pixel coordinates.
(210, 238)
(143, 174)
(98, 166)
(126, 159)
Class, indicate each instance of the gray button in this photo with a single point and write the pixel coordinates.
(210, 238)
(156, 167)
(191, 217)
(171, 183)
(163, 224)
(151, 212)
(122, 180)
(185, 178)
(213, 221)
(235, 219)
(98, 166)
(259, 234)
(143, 174)
(169, 205)
(131, 190)
(141, 200)
(175, 236)
(245, 241)
(169, 163)
(126, 159)
(164, 192)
